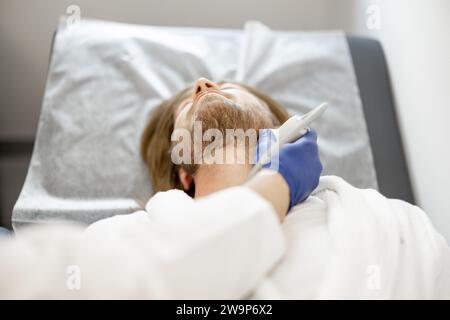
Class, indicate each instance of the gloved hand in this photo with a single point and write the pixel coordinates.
(298, 163)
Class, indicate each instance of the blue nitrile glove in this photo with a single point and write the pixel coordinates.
(298, 162)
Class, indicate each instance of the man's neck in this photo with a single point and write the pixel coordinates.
(212, 178)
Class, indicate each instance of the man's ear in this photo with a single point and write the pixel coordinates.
(185, 178)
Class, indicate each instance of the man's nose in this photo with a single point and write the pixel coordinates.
(202, 85)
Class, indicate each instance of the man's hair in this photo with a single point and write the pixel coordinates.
(156, 144)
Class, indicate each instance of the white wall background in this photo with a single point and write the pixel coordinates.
(416, 37)
(414, 33)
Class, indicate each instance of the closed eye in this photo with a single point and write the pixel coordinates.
(185, 104)
(228, 87)
(182, 106)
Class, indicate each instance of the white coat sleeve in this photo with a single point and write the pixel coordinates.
(217, 247)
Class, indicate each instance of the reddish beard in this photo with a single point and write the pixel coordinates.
(223, 115)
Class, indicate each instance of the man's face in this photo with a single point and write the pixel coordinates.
(227, 105)
(220, 107)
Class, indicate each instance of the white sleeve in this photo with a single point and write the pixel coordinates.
(219, 246)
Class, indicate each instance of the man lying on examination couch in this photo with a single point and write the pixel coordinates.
(209, 232)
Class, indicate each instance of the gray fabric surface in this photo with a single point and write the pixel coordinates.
(104, 79)
(4, 232)
(379, 109)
